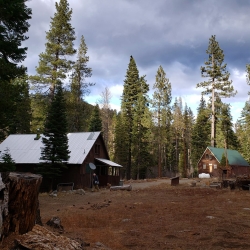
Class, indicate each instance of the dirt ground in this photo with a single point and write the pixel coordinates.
(154, 215)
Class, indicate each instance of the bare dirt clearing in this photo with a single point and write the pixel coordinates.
(154, 216)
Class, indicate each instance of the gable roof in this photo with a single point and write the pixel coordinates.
(233, 156)
(25, 149)
(108, 162)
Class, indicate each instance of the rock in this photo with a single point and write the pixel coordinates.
(53, 194)
(55, 222)
(80, 191)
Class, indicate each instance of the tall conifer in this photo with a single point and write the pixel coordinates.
(55, 153)
(14, 15)
(78, 89)
(133, 86)
(201, 132)
(218, 79)
(54, 63)
(95, 123)
(162, 113)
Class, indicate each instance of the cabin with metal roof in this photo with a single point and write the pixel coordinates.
(209, 163)
(88, 154)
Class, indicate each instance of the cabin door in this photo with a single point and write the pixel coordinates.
(210, 168)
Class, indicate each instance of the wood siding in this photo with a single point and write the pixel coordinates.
(209, 164)
(81, 174)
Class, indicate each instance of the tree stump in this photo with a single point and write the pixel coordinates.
(18, 202)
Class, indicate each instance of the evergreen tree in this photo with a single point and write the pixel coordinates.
(106, 116)
(55, 153)
(13, 25)
(140, 152)
(225, 133)
(188, 120)
(223, 161)
(95, 120)
(15, 109)
(20, 117)
(120, 142)
(54, 63)
(200, 133)
(133, 86)
(218, 81)
(243, 131)
(79, 88)
(161, 105)
(7, 164)
(177, 130)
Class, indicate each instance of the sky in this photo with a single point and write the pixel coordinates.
(172, 33)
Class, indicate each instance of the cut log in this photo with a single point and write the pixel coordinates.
(125, 187)
(18, 202)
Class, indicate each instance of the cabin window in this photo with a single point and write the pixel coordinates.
(207, 156)
(210, 157)
(97, 149)
(110, 171)
(117, 171)
(204, 166)
(215, 166)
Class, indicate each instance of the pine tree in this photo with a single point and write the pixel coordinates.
(13, 25)
(201, 133)
(139, 148)
(121, 139)
(218, 82)
(133, 86)
(226, 135)
(95, 120)
(55, 153)
(243, 131)
(54, 63)
(79, 88)
(7, 164)
(188, 120)
(15, 108)
(161, 105)
(177, 130)
(223, 161)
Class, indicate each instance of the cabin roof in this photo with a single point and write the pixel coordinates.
(233, 156)
(25, 149)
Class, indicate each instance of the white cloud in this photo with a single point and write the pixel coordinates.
(171, 33)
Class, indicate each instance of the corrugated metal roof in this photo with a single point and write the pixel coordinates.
(108, 162)
(233, 156)
(24, 149)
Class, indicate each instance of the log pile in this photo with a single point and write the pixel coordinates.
(18, 202)
(125, 187)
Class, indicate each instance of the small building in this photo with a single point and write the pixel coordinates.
(88, 154)
(209, 163)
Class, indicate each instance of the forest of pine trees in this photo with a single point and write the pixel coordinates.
(156, 136)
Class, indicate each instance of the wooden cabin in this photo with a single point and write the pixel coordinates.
(87, 149)
(209, 163)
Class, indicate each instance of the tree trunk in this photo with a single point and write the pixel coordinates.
(18, 202)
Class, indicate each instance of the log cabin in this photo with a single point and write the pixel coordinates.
(209, 163)
(88, 154)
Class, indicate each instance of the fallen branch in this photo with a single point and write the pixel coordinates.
(125, 187)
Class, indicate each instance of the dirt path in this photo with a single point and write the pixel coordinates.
(142, 184)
